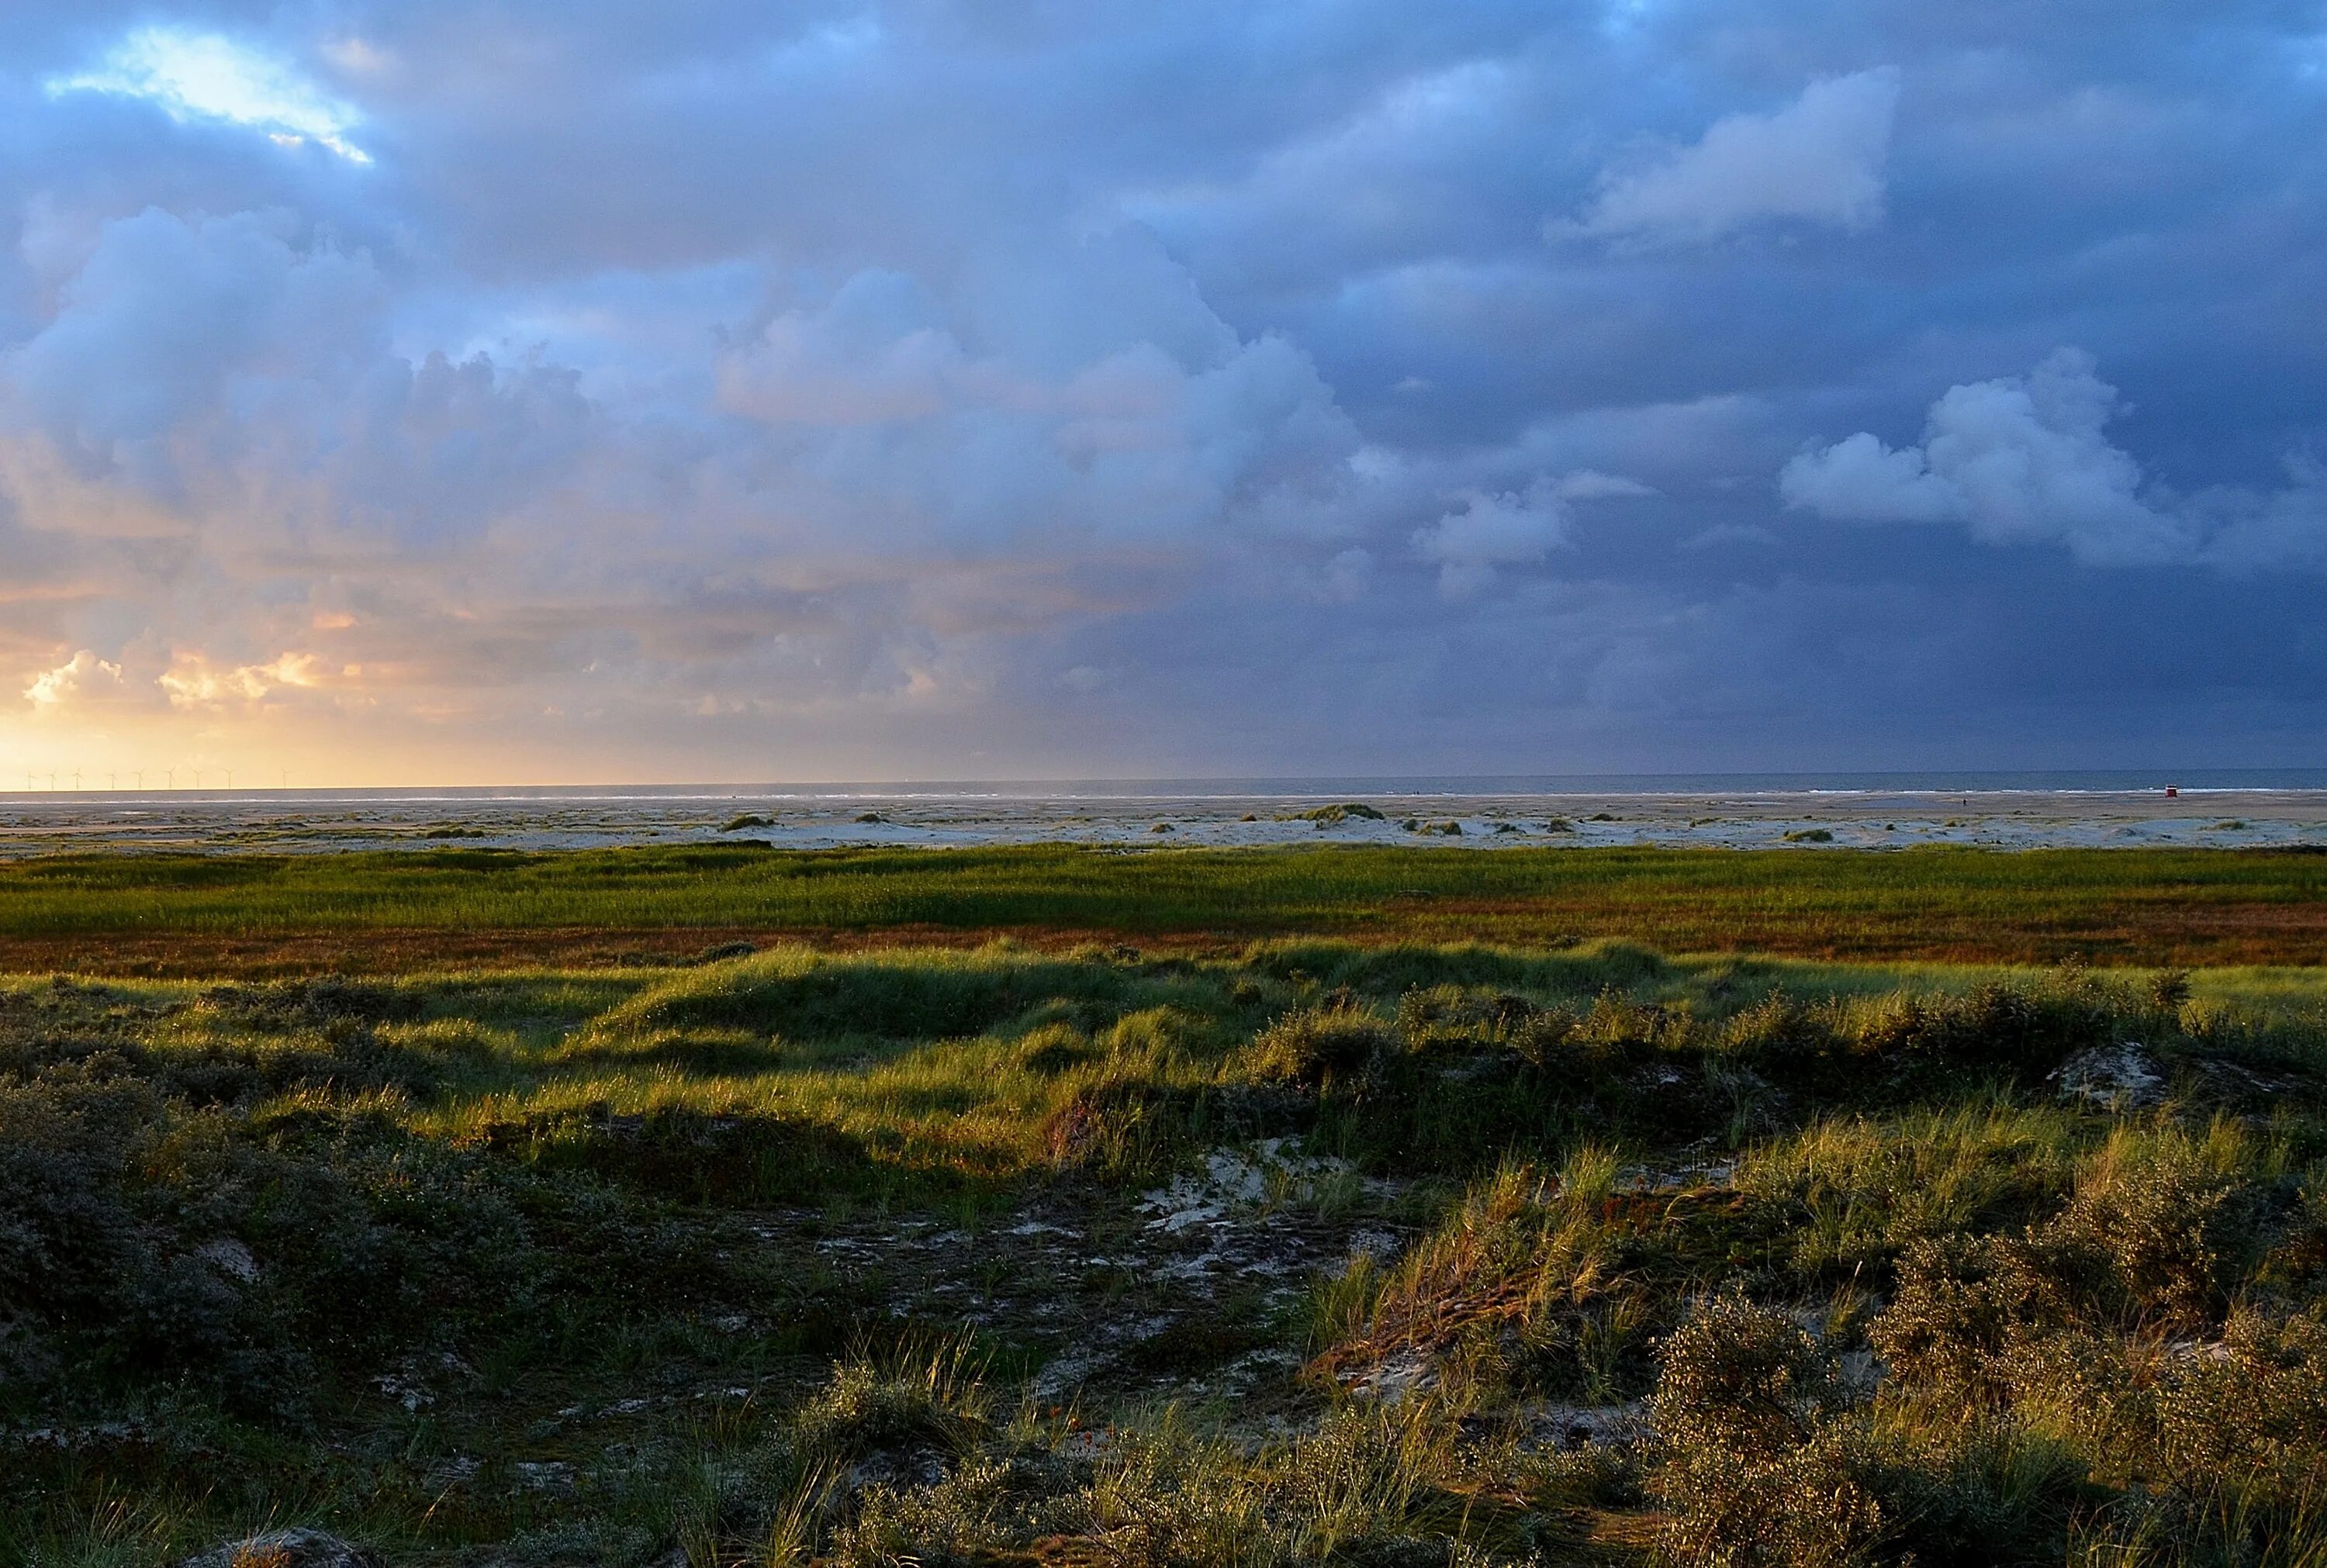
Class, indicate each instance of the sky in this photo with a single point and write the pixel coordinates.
(423, 392)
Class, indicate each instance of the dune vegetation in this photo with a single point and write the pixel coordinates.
(1305, 1251)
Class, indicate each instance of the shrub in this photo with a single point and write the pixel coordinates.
(1619, 1027)
(1328, 816)
(2024, 1030)
(1441, 1016)
(1323, 1048)
(1965, 1312)
(2249, 1413)
(1764, 1458)
(973, 1515)
(2158, 1215)
(1780, 1027)
(1752, 1459)
(920, 1395)
(1161, 1496)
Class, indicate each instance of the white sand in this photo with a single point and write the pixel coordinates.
(2010, 821)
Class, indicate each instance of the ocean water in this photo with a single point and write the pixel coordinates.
(1319, 787)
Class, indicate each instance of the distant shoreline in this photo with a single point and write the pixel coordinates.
(187, 822)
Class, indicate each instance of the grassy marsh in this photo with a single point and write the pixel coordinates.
(434, 909)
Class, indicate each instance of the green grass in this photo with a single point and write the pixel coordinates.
(2123, 906)
(1303, 1250)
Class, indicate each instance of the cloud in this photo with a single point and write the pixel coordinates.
(1751, 535)
(863, 489)
(1081, 394)
(878, 353)
(1589, 484)
(779, 389)
(2025, 459)
(213, 378)
(1819, 160)
(166, 316)
(1491, 531)
(2253, 530)
(206, 76)
(2019, 460)
(82, 681)
(1348, 574)
(194, 682)
(1861, 478)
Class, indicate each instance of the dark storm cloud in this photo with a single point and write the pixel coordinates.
(1204, 387)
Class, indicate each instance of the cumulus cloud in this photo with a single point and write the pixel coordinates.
(163, 318)
(2026, 460)
(218, 414)
(674, 386)
(214, 379)
(81, 681)
(878, 353)
(1861, 478)
(193, 682)
(1492, 531)
(1071, 394)
(1819, 160)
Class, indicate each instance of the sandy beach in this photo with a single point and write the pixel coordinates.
(291, 822)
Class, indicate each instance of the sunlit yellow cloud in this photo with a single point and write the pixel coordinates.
(73, 681)
(193, 682)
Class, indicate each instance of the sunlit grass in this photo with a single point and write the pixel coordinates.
(2127, 905)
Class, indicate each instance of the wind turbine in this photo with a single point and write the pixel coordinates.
(76, 778)
(172, 775)
(52, 780)
(198, 778)
(229, 778)
(141, 781)
(110, 785)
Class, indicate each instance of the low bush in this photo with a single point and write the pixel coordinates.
(1331, 815)
(1753, 1456)
(1323, 1048)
